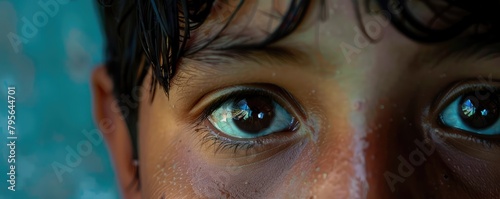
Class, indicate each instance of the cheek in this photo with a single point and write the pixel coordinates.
(465, 167)
(245, 178)
(163, 160)
(163, 150)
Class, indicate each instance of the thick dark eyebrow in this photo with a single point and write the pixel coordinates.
(268, 56)
(224, 62)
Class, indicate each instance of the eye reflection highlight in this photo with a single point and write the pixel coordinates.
(476, 112)
(251, 117)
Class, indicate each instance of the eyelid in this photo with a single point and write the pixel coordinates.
(262, 147)
(458, 89)
(209, 102)
(451, 94)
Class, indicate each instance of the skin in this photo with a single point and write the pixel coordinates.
(360, 113)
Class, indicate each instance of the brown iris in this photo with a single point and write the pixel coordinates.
(253, 114)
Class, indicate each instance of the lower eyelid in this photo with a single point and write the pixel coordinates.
(216, 147)
(220, 147)
(473, 146)
(463, 144)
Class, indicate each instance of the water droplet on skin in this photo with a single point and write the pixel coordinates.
(324, 175)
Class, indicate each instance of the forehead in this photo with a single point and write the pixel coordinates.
(333, 32)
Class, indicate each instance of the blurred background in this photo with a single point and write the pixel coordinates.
(48, 49)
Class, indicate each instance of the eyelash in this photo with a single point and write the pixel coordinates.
(221, 143)
(233, 95)
(209, 135)
(487, 141)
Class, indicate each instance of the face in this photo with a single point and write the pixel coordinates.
(321, 113)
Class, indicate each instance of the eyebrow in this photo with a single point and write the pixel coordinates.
(263, 56)
(222, 61)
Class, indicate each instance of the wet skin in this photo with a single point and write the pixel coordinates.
(367, 119)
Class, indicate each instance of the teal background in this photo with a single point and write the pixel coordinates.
(51, 72)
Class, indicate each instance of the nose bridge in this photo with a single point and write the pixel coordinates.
(356, 150)
(370, 130)
(381, 137)
(341, 170)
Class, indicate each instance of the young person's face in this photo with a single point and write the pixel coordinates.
(335, 116)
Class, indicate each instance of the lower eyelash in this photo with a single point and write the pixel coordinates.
(221, 143)
(487, 144)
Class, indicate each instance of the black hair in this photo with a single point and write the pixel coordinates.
(144, 34)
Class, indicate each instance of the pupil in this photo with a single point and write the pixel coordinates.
(479, 110)
(253, 114)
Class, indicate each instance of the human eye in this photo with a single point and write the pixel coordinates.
(469, 119)
(462, 130)
(250, 119)
(251, 116)
(475, 110)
